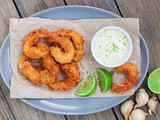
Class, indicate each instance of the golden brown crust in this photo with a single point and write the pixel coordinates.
(130, 82)
(77, 40)
(72, 80)
(33, 49)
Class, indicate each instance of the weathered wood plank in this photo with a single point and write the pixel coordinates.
(149, 28)
(105, 4)
(7, 10)
(20, 110)
(5, 111)
(50, 116)
(29, 7)
(105, 115)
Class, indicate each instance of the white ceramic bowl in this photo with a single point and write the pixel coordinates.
(129, 41)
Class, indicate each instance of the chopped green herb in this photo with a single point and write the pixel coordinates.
(106, 56)
(109, 36)
(124, 43)
(114, 47)
(124, 37)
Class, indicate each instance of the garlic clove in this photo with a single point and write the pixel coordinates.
(141, 98)
(138, 114)
(126, 108)
(152, 104)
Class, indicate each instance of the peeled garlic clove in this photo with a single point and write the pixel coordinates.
(152, 104)
(138, 114)
(126, 108)
(141, 98)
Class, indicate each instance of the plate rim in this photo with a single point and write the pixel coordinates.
(75, 113)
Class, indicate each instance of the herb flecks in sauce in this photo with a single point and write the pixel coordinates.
(110, 46)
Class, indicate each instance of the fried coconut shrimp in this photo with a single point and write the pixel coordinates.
(77, 40)
(39, 76)
(72, 80)
(62, 49)
(34, 49)
(130, 82)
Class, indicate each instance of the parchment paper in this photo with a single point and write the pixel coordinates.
(21, 87)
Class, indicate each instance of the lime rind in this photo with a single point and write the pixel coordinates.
(105, 80)
(154, 81)
(92, 85)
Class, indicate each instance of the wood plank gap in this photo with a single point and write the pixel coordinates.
(8, 103)
(118, 8)
(65, 117)
(17, 9)
(65, 2)
(115, 114)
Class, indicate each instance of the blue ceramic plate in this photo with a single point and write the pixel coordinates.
(72, 106)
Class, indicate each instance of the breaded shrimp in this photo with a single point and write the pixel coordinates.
(62, 49)
(130, 82)
(72, 80)
(77, 40)
(36, 75)
(32, 48)
(52, 69)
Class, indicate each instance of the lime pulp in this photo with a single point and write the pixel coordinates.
(105, 80)
(88, 88)
(154, 81)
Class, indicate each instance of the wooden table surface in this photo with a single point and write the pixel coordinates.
(147, 10)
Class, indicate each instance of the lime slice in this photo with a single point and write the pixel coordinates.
(154, 81)
(88, 88)
(105, 79)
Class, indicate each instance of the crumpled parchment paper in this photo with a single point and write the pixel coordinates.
(21, 87)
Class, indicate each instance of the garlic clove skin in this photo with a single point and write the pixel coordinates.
(141, 98)
(152, 104)
(138, 114)
(126, 108)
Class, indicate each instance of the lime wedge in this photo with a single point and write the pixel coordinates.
(154, 81)
(105, 79)
(88, 88)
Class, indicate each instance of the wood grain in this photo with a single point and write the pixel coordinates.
(148, 12)
(105, 115)
(11, 109)
(143, 9)
(5, 111)
(29, 7)
(105, 4)
(7, 10)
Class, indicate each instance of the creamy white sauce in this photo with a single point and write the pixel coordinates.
(111, 47)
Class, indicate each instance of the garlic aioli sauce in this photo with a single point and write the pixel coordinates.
(110, 47)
